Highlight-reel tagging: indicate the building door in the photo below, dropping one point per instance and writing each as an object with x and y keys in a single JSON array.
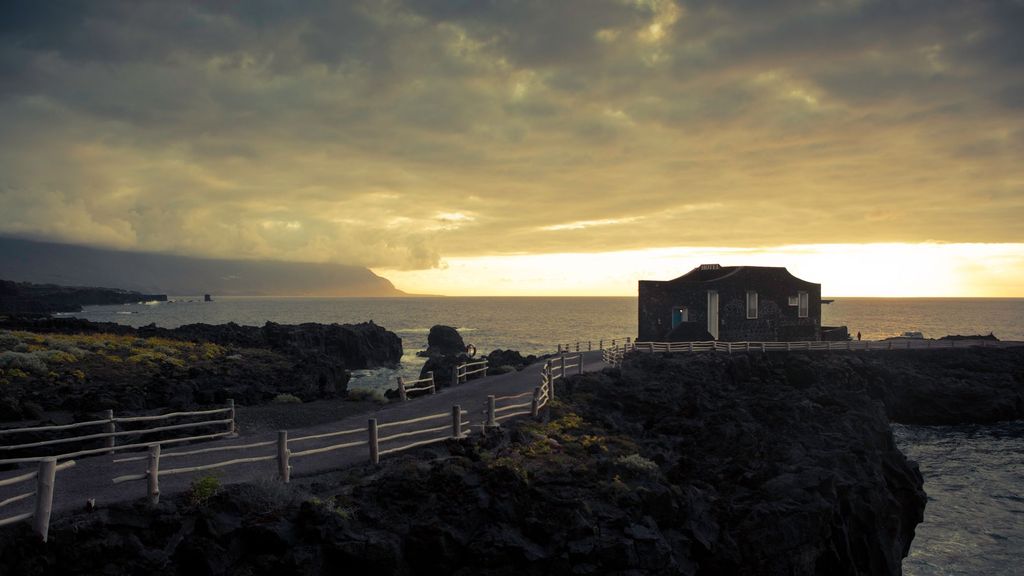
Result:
[
  {"x": 680, "y": 314},
  {"x": 713, "y": 314}
]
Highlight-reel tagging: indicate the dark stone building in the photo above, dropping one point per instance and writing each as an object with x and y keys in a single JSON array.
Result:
[{"x": 732, "y": 304}]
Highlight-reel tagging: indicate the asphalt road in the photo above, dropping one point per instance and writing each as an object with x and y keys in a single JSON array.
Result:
[{"x": 92, "y": 477}]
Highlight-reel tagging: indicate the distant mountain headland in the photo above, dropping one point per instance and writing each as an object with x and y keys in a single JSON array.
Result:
[{"x": 69, "y": 265}]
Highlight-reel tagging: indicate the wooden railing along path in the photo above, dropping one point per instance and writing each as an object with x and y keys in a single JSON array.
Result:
[
  {"x": 45, "y": 478},
  {"x": 376, "y": 439},
  {"x": 852, "y": 345},
  {"x": 110, "y": 434},
  {"x": 615, "y": 354},
  {"x": 460, "y": 374}
]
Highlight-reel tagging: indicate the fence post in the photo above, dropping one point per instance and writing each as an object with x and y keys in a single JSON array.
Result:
[
  {"x": 456, "y": 422},
  {"x": 600, "y": 344},
  {"x": 577, "y": 345},
  {"x": 153, "y": 475},
  {"x": 629, "y": 340},
  {"x": 490, "y": 412},
  {"x": 455, "y": 376},
  {"x": 561, "y": 360},
  {"x": 433, "y": 385},
  {"x": 110, "y": 427},
  {"x": 284, "y": 469},
  {"x": 371, "y": 427},
  {"x": 579, "y": 364},
  {"x": 551, "y": 383},
  {"x": 535, "y": 403},
  {"x": 401, "y": 389},
  {"x": 231, "y": 404},
  {"x": 44, "y": 496}
]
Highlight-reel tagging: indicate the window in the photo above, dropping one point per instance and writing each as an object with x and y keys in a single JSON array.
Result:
[
  {"x": 804, "y": 304},
  {"x": 794, "y": 300},
  {"x": 751, "y": 305}
]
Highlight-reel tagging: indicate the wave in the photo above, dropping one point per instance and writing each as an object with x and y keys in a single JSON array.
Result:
[{"x": 427, "y": 330}]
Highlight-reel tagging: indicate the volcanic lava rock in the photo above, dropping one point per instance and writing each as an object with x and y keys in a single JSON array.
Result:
[
  {"x": 444, "y": 341},
  {"x": 697, "y": 464}
]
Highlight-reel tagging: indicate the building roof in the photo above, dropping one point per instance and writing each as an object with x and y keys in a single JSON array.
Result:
[{"x": 714, "y": 272}]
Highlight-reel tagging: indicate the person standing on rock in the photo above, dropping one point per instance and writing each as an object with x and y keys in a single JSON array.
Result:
[{"x": 858, "y": 335}]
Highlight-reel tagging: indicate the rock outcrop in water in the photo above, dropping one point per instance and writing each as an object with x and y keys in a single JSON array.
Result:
[
  {"x": 444, "y": 341},
  {"x": 445, "y": 350},
  {"x": 690, "y": 465}
]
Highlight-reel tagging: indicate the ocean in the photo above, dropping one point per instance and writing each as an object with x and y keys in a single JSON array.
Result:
[{"x": 974, "y": 475}]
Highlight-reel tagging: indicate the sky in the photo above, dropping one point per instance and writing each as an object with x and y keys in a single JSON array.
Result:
[{"x": 475, "y": 147}]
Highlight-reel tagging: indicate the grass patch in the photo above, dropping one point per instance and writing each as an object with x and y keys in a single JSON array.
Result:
[{"x": 287, "y": 399}]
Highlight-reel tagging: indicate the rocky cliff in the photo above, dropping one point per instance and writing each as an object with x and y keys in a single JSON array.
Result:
[
  {"x": 958, "y": 386},
  {"x": 690, "y": 465}
]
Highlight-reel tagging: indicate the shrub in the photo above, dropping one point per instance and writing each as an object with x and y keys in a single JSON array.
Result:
[
  {"x": 56, "y": 356},
  {"x": 209, "y": 351},
  {"x": 201, "y": 490},
  {"x": 332, "y": 506},
  {"x": 637, "y": 464},
  {"x": 65, "y": 346},
  {"x": 8, "y": 341},
  {"x": 26, "y": 361},
  {"x": 287, "y": 399}
]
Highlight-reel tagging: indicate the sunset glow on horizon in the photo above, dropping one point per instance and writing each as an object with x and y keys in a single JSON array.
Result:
[{"x": 852, "y": 270}]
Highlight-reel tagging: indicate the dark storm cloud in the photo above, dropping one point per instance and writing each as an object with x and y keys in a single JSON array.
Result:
[{"x": 393, "y": 133}]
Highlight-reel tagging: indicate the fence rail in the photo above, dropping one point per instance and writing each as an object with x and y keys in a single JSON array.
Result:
[
  {"x": 110, "y": 433},
  {"x": 851, "y": 345},
  {"x": 423, "y": 384},
  {"x": 456, "y": 428},
  {"x": 45, "y": 477},
  {"x": 590, "y": 345}
]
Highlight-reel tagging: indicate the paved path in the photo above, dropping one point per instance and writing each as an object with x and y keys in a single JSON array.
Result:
[{"x": 92, "y": 476}]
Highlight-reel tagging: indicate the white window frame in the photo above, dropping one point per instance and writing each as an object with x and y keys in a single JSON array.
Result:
[
  {"x": 751, "y": 299},
  {"x": 804, "y": 309},
  {"x": 794, "y": 300}
]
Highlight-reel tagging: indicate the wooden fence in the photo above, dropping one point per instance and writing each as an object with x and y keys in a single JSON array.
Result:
[
  {"x": 110, "y": 433},
  {"x": 423, "y": 384},
  {"x": 45, "y": 477},
  {"x": 614, "y": 356},
  {"x": 539, "y": 397},
  {"x": 281, "y": 450},
  {"x": 460, "y": 374},
  {"x": 854, "y": 345},
  {"x": 588, "y": 345}
]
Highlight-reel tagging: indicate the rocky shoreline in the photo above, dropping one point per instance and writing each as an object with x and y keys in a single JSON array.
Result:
[
  {"x": 702, "y": 464},
  {"x": 69, "y": 364},
  {"x": 25, "y": 298}
]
